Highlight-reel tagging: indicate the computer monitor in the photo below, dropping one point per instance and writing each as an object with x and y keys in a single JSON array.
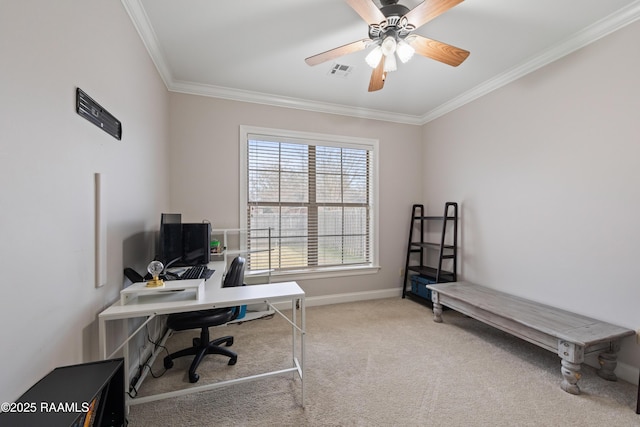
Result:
[
  {"x": 170, "y": 218},
  {"x": 187, "y": 244},
  {"x": 196, "y": 244},
  {"x": 170, "y": 238}
]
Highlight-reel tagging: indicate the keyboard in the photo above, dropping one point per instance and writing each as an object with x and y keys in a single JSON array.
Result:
[{"x": 197, "y": 272}]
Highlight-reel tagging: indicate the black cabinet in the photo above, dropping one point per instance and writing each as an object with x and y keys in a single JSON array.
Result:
[{"x": 90, "y": 394}]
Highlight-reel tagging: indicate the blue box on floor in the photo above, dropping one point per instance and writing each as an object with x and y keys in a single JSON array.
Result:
[
  {"x": 243, "y": 312},
  {"x": 419, "y": 286}
]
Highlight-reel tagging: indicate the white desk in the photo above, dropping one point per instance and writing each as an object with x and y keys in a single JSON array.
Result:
[{"x": 214, "y": 297}]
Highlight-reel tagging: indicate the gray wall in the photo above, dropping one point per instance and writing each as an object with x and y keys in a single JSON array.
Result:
[
  {"x": 48, "y": 158},
  {"x": 547, "y": 170},
  {"x": 207, "y": 185}
]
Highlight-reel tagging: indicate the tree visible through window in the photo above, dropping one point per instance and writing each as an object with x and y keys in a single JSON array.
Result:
[{"x": 312, "y": 197}]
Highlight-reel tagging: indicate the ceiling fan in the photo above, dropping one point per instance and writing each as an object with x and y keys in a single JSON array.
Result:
[{"x": 390, "y": 31}]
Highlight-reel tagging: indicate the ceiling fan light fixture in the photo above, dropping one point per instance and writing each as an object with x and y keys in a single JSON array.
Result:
[
  {"x": 390, "y": 33},
  {"x": 390, "y": 63},
  {"x": 389, "y": 45},
  {"x": 405, "y": 51},
  {"x": 373, "y": 58}
]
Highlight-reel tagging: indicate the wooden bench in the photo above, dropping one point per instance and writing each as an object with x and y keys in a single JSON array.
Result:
[{"x": 570, "y": 335}]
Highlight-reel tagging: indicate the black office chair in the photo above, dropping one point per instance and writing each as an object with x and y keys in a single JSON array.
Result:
[{"x": 203, "y": 319}]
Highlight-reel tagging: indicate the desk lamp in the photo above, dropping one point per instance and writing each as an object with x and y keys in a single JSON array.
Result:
[{"x": 155, "y": 268}]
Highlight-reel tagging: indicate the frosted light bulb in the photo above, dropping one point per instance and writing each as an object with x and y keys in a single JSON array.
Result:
[
  {"x": 390, "y": 63},
  {"x": 373, "y": 58},
  {"x": 405, "y": 51},
  {"x": 388, "y": 46}
]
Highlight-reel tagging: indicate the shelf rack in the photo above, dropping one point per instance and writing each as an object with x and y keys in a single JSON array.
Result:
[{"x": 420, "y": 267}]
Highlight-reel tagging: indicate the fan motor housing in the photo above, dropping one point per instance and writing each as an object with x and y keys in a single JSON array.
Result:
[
  {"x": 394, "y": 10},
  {"x": 394, "y": 24}
]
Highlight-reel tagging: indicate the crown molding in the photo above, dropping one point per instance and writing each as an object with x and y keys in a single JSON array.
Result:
[
  {"x": 596, "y": 31},
  {"x": 605, "y": 26},
  {"x": 141, "y": 23},
  {"x": 288, "y": 102}
]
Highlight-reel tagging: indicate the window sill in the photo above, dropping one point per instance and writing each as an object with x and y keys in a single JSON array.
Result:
[{"x": 323, "y": 273}]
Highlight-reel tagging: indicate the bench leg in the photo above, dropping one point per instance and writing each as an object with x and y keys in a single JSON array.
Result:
[
  {"x": 571, "y": 374},
  {"x": 437, "y": 307},
  {"x": 608, "y": 362},
  {"x": 572, "y": 357}
]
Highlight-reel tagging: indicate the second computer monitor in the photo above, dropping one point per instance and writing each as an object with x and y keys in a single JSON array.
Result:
[
  {"x": 196, "y": 244},
  {"x": 184, "y": 244}
]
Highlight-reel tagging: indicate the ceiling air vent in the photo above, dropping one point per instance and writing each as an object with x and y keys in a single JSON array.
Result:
[{"x": 340, "y": 70}]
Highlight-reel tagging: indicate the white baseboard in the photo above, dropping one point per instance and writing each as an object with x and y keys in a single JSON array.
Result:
[
  {"x": 627, "y": 373},
  {"x": 342, "y": 298},
  {"x": 624, "y": 371}
]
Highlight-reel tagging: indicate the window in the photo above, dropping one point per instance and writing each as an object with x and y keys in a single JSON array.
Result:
[{"x": 311, "y": 197}]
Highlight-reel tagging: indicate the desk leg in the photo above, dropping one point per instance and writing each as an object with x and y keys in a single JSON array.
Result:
[
  {"x": 125, "y": 355},
  {"x": 294, "y": 333},
  {"x": 302, "y": 346},
  {"x": 102, "y": 338},
  {"x": 298, "y": 303},
  {"x": 638, "y": 402}
]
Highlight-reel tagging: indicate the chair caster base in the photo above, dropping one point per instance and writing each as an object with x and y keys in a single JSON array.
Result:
[{"x": 168, "y": 363}]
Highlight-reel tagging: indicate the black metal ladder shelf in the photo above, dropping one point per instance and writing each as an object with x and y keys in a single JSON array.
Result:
[{"x": 420, "y": 267}]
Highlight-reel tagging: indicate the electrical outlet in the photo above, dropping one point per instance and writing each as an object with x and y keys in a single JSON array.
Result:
[
  {"x": 638, "y": 336},
  {"x": 401, "y": 272}
]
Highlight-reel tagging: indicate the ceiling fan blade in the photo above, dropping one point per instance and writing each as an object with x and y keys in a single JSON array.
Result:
[
  {"x": 337, "y": 52},
  {"x": 378, "y": 77},
  {"x": 439, "y": 51},
  {"x": 428, "y": 10},
  {"x": 367, "y": 10}
]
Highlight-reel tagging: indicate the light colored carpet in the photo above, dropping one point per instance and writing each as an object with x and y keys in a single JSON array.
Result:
[{"x": 384, "y": 363}]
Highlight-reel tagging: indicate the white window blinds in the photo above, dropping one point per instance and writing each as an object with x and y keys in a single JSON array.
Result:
[{"x": 313, "y": 197}]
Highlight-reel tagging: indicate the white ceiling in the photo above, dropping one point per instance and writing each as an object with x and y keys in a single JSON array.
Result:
[{"x": 254, "y": 50}]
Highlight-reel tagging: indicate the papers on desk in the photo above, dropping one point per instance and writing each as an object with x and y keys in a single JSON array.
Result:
[{"x": 194, "y": 287}]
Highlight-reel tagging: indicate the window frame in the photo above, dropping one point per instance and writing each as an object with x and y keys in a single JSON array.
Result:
[{"x": 330, "y": 140}]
